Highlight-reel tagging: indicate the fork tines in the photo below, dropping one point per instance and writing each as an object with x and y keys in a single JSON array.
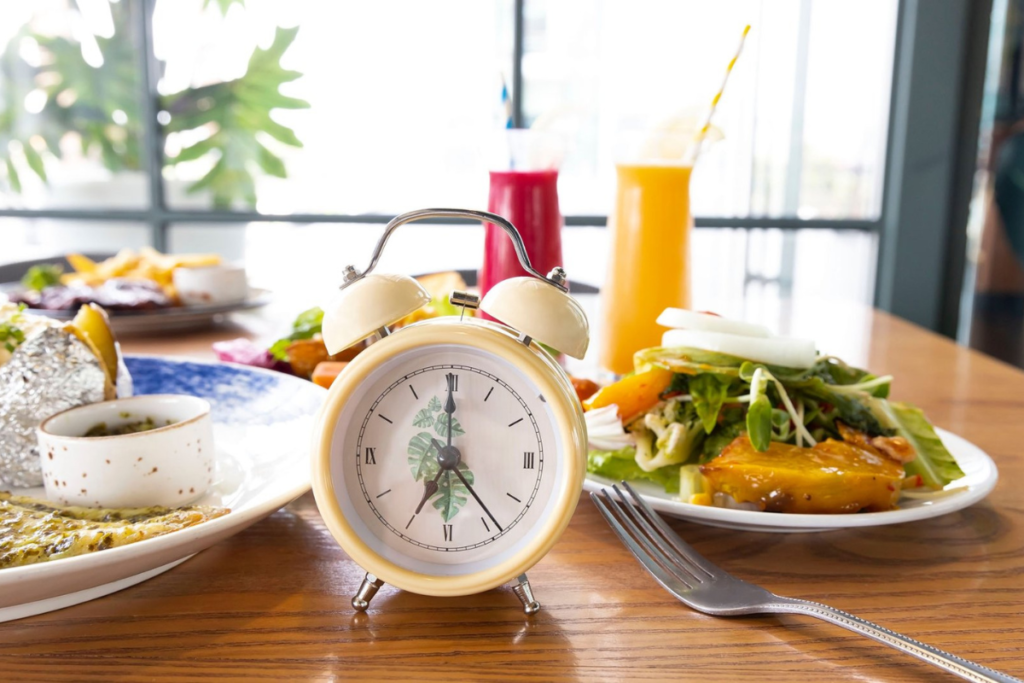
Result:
[{"x": 668, "y": 557}]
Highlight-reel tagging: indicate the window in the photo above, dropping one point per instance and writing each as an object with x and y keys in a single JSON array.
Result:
[
  {"x": 400, "y": 94},
  {"x": 404, "y": 100},
  {"x": 804, "y": 115}
]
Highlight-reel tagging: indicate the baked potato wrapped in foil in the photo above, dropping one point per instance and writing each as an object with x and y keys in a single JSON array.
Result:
[{"x": 47, "y": 366}]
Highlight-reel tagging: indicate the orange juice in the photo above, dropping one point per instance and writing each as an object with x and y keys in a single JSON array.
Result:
[{"x": 649, "y": 264}]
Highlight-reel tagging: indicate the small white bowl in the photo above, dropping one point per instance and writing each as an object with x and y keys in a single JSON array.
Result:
[
  {"x": 171, "y": 465},
  {"x": 211, "y": 285}
]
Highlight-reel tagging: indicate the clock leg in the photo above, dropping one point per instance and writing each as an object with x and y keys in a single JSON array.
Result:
[
  {"x": 525, "y": 594},
  {"x": 369, "y": 587}
]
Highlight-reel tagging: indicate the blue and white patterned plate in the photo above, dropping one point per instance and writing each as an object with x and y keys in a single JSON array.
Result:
[{"x": 262, "y": 422}]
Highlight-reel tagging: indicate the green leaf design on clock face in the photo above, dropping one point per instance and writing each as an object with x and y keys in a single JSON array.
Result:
[
  {"x": 427, "y": 416},
  {"x": 424, "y": 418},
  {"x": 441, "y": 426},
  {"x": 451, "y": 493},
  {"x": 422, "y": 459}
]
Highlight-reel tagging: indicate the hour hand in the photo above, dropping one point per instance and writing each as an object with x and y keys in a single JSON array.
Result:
[
  {"x": 429, "y": 489},
  {"x": 449, "y": 404}
]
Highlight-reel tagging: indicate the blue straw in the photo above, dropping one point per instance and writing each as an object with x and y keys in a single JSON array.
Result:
[{"x": 506, "y": 100}]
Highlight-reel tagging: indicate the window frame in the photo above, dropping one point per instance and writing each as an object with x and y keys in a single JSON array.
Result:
[{"x": 919, "y": 59}]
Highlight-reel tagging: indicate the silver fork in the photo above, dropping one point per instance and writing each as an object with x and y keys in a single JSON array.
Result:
[{"x": 705, "y": 587}]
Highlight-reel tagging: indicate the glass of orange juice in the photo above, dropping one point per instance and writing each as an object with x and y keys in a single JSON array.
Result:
[{"x": 649, "y": 264}]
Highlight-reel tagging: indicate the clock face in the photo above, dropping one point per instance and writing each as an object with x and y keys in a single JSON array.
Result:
[{"x": 448, "y": 457}]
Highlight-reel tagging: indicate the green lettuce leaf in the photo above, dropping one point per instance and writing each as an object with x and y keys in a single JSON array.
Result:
[
  {"x": 306, "y": 325},
  {"x": 709, "y": 392},
  {"x": 934, "y": 463},
  {"x": 42, "y": 276},
  {"x": 621, "y": 465},
  {"x": 854, "y": 409},
  {"x": 687, "y": 360},
  {"x": 759, "y": 423},
  {"x": 723, "y": 435},
  {"x": 442, "y": 306}
]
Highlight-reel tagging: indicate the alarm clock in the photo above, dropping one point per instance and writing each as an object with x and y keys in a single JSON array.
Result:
[{"x": 450, "y": 454}]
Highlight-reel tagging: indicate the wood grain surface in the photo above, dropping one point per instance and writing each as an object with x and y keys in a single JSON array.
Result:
[{"x": 272, "y": 603}]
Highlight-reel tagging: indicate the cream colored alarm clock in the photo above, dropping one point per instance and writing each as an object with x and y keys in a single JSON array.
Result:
[{"x": 449, "y": 456}]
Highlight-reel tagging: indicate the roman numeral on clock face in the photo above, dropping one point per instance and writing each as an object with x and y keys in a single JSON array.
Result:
[
  {"x": 371, "y": 456},
  {"x": 448, "y": 533},
  {"x": 453, "y": 381},
  {"x": 528, "y": 460}
]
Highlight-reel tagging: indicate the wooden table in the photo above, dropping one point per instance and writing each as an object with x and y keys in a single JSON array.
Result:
[{"x": 272, "y": 603}]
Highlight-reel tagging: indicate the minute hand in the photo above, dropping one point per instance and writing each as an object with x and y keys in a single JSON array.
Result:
[{"x": 473, "y": 493}]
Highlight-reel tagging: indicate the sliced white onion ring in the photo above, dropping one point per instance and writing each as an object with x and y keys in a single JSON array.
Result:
[
  {"x": 788, "y": 352},
  {"x": 682, "y": 319},
  {"x": 604, "y": 429}
]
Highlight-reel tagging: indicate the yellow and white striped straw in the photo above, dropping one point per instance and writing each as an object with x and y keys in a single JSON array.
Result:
[{"x": 699, "y": 137}]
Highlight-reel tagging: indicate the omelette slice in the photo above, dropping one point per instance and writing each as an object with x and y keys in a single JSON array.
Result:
[
  {"x": 33, "y": 530},
  {"x": 833, "y": 477}
]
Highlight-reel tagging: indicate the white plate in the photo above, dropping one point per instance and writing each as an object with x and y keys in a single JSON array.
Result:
[
  {"x": 262, "y": 422},
  {"x": 979, "y": 479}
]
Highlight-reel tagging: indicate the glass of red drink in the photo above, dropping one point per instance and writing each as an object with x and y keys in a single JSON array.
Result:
[{"x": 525, "y": 191}]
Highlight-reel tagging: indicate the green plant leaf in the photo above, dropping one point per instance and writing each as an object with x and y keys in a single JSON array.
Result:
[
  {"x": 238, "y": 112},
  {"x": 195, "y": 151},
  {"x": 422, "y": 460},
  {"x": 224, "y": 5},
  {"x": 90, "y": 101},
  {"x": 35, "y": 162},
  {"x": 12, "y": 176},
  {"x": 434, "y": 404},
  {"x": 257, "y": 121},
  {"x": 452, "y": 493},
  {"x": 100, "y": 93},
  {"x": 270, "y": 98},
  {"x": 271, "y": 163}
]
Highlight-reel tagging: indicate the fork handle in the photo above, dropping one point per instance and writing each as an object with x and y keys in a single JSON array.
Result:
[{"x": 944, "y": 660}]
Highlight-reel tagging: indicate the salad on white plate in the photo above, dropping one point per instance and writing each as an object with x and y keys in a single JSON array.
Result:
[{"x": 726, "y": 414}]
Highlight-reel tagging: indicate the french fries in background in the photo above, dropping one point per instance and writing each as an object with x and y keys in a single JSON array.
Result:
[{"x": 145, "y": 264}]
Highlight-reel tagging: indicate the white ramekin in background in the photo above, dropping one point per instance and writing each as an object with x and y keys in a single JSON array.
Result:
[{"x": 211, "y": 285}]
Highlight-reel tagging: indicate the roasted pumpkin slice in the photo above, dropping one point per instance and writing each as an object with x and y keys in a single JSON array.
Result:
[
  {"x": 832, "y": 477},
  {"x": 634, "y": 394}
]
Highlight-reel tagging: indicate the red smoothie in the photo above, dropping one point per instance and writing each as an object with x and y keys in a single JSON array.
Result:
[{"x": 529, "y": 199}]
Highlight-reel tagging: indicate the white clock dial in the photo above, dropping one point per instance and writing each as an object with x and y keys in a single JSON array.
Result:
[{"x": 425, "y": 498}]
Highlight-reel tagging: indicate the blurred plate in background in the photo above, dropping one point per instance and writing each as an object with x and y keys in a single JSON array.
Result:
[{"x": 176, "y": 318}]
